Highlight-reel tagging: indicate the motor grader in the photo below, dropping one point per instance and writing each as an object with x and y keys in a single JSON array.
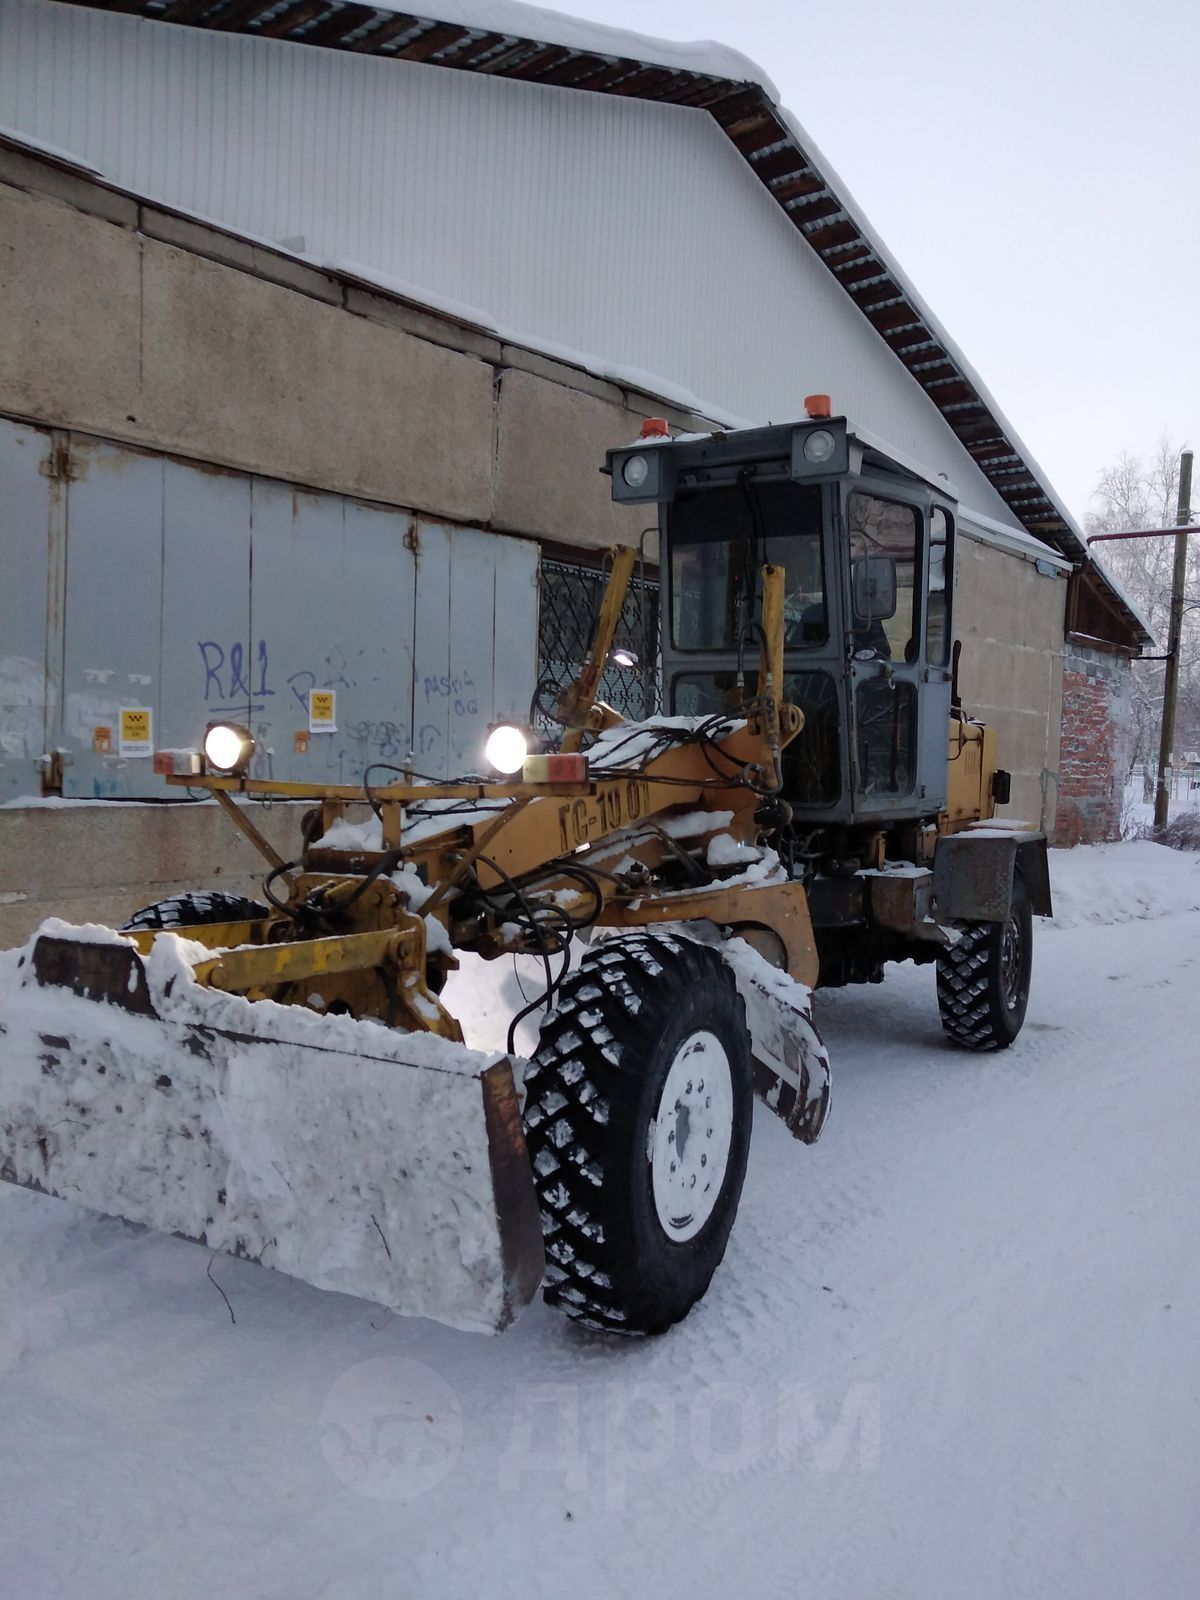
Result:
[{"x": 281, "y": 1080}]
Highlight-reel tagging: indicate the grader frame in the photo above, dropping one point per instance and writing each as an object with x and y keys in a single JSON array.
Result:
[{"x": 660, "y": 829}]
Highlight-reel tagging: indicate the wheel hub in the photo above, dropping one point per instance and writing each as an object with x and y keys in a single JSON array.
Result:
[
  {"x": 1010, "y": 963},
  {"x": 690, "y": 1137}
]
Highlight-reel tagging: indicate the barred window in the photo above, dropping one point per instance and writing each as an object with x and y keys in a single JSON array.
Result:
[{"x": 570, "y": 603}]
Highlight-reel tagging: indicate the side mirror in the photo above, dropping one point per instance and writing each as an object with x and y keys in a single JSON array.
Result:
[{"x": 873, "y": 582}]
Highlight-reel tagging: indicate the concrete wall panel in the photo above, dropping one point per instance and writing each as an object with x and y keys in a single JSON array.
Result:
[
  {"x": 64, "y": 352},
  {"x": 102, "y": 862},
  {"x": 550, "y": 446},
  {"x": 323, "y": 397},
  {"x": 1009, "y": 617}
]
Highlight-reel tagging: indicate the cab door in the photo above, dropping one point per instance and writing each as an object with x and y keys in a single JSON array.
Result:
[
  {"x": 885, "y": 547},
  {"x": 936, "y": 687}
]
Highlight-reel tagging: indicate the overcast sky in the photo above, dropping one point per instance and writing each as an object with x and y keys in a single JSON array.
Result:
[{"x": 1034, "y": 166}]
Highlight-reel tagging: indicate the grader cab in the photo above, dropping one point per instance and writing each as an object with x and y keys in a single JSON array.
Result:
[
  {"x": 873, "y": 801},
  {"x": 281, "y": 1079}
]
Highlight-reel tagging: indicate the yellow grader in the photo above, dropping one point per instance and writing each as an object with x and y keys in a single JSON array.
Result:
[{"x": 281, "y": 1079}]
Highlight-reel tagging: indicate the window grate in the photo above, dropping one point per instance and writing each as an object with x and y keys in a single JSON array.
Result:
[{"x": 570, "y": 603}]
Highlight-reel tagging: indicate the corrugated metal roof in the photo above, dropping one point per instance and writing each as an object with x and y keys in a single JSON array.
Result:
[{"x": 567, "y": 53}]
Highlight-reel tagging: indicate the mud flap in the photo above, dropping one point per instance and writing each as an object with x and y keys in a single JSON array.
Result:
[
  {"x": 791, "y": 1064},
  {"x": 381, "y": 1164}
]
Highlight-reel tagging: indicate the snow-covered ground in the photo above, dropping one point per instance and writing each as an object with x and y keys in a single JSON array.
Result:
[
  {"x": 953, "y": 1350},
  {"x": 1137, "y": 813}
]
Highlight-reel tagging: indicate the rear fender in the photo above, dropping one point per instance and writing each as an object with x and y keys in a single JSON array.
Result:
[{"x": 973, "y": 874}]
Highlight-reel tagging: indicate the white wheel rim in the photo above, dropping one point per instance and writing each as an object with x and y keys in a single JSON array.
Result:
[{"x": 690, "y": 1137}]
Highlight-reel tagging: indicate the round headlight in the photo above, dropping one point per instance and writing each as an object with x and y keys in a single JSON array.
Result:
[
  {"x": 635, "y": 471},
  {"x": 506, "y": 749},
  {"x": 228, "y": 747},
  {"x": 819, "y": 446}
]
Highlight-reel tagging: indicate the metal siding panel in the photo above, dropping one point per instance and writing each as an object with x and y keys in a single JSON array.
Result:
[
  {"x": 296, "y": 610},
  {"x": 26, "y": 492},
  {"x": 331, "y": 608},
  {"x": 514, "y": 658},
  {"x": 381, "y": 586},
  {"x": 431, "y": 652},
  {"x": 476, "y": 605},
  {"x": 278, "y": 625},
  {"x": 210, "y": 666},
  {"x": 472, "y": 643},
  {"x": 113, "y": 613}
]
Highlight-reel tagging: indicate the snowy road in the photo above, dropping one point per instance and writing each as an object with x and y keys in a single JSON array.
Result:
[{"x": 954, "y": 1351}]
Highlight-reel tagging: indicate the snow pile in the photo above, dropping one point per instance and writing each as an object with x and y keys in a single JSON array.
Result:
[
  {"x": 726, "y": 851},
  {"x": 343, "y": 834},
  {"x": 631, "y": 743},
  {"x": 1105, "y": 884},
  {"x": 433, "y": 817},
  {"x": 693, "y": 824}
]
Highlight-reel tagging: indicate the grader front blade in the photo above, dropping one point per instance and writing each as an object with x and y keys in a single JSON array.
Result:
[{"x": 384, "y": 1164}]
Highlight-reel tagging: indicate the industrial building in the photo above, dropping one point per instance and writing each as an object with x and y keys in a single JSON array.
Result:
[{"x": 319, "y": 319}]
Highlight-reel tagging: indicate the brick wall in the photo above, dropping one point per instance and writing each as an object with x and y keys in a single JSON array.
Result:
[{"x": 1095, "y": 744}]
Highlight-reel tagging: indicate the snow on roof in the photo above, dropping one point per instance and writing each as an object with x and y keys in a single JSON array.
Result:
[
  {"x": 598, "y": 38},
  {"x": 625, "y": 377},
  {"x": 56, "y": 152},
  {"x": 988, "y": 530}
]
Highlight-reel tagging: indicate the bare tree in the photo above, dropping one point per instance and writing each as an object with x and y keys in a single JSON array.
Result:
[{"x": 1141, "y": 492}]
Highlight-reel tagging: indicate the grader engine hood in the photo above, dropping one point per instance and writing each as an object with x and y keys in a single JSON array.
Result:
[{"x": 383, "y": 1164}]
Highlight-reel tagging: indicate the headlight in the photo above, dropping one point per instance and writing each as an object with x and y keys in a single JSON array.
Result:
[
  {"x": 635, "y": 471},
  {"x": 506, "y": 748},
  {"x": 819, "y": 446},
  {"x": 228, "y": 747}
]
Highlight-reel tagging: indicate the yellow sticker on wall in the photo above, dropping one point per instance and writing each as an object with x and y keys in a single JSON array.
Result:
[
  {"x": 322, "y": 711},
  {"x": 136, "y": 736}
]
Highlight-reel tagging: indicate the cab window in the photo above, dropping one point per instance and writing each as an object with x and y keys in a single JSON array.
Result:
[
  {"x": 719, "y": 540},
  {"x": 941, "y": 555},
  {"x": 884, "y": 560}
]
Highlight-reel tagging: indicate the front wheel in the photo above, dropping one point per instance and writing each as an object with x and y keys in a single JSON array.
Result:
[
  {"x": 194, "y": 909},
  {"x": 983, "y": 980},
  {"x": 637, "y": 1121}
]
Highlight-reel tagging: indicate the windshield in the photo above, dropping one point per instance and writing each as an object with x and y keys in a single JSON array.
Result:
[{"x": 717, "y": 546}]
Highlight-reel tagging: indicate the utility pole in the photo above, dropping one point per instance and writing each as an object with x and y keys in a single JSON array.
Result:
[{"x": 1171, "y": 685}]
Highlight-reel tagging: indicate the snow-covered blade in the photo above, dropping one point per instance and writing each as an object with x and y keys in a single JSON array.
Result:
[
  {"x": 791, "y": 1063},
  {"x": 383, "y": 1164}
]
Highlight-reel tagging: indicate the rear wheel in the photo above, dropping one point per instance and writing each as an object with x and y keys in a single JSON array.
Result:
[
  {"x": 637, "y": 1120},
  {"x": 193, "y": 910},
  {"x": 983, "y": 980}
]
